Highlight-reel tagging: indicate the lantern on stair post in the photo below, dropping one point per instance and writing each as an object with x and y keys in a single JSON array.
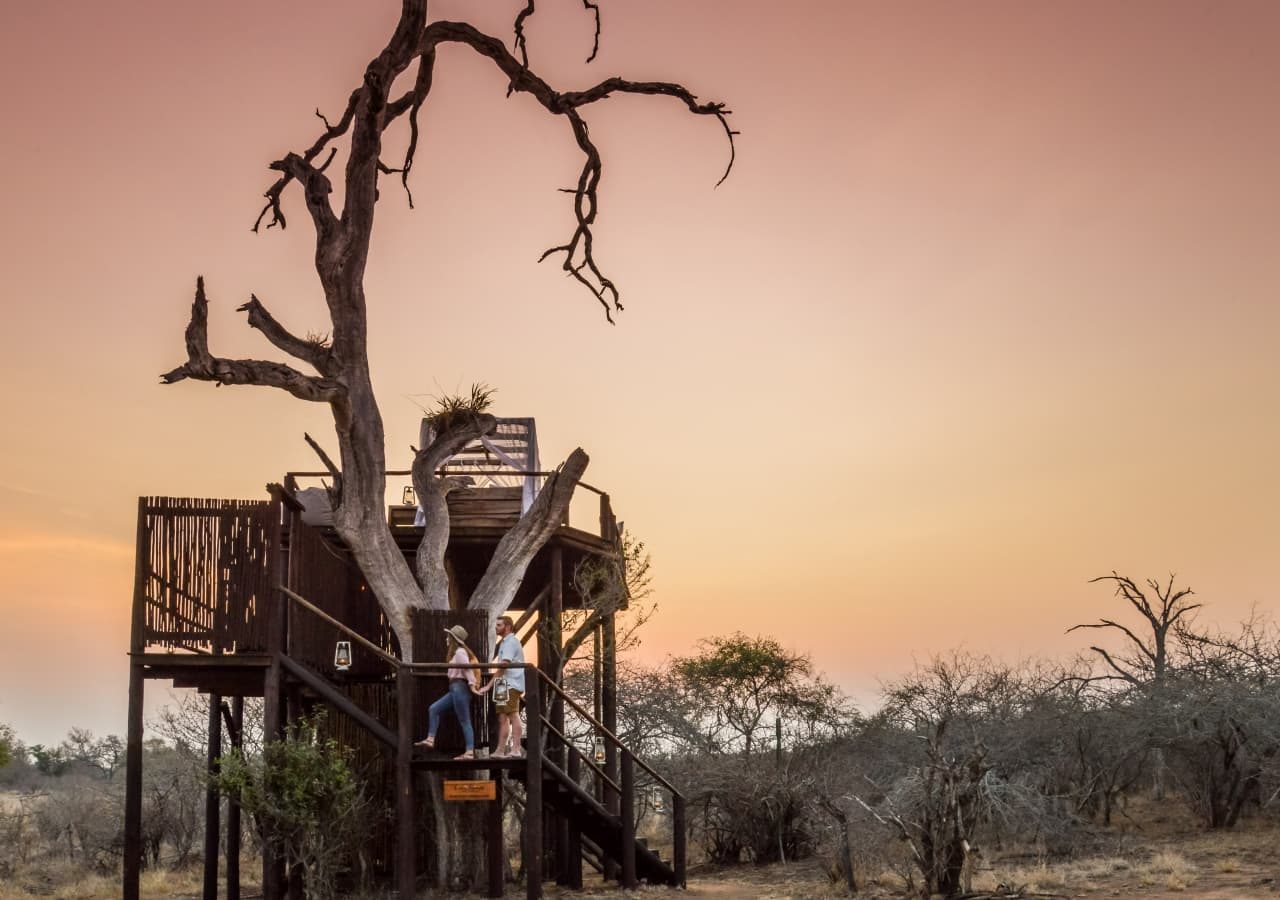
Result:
[
  {"x": 598, "y": 749},
  {"x": 342, "y": 656},
  {"x": 658, "y": 799}
]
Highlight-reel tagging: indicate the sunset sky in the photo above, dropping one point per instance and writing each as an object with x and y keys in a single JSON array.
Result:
[{"x": 988, "y": 306}]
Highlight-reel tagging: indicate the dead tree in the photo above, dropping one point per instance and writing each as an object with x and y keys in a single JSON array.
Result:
[
  {"x": 340, "y": 361},
  {"x": 1144, "y": 663}
]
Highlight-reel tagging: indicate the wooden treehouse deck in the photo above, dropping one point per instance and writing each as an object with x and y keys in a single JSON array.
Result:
[{"x": 246, "y": 599}]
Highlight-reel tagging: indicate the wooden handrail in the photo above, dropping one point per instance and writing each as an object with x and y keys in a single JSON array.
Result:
[
  {"x": 497, "y": 471},
  {"x": 606, "y": 732},
  {"x": 570, "y": 748},
  {"x": 345, "y": 629}
]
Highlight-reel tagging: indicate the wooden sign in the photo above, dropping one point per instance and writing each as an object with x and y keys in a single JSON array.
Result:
[{"x": 470, "y": 790}]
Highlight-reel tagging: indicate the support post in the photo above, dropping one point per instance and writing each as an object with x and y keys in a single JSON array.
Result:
[
  {"x": 497, "y": 853},
  {"x": 273, "y": 682},
  {"x": 233, "y": 806},
  {"x": 133, "y": 735},
  {"x": 573, "y": 838},
  {"x": 549, "y": 661},
  {"x": 406, "y": 877},
  {"x": 628, "y": 820},
  {"x": 609, "y": 717},
  {"x": 212, "y": 801},
  {"x": 133, "y": 786},
  {"x": 679, "y": 837},
  {"x": 533, "y": 787}
]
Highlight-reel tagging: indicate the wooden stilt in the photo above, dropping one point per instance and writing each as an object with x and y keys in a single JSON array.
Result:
[
  {"x": 212, "y": 800},
  {"x": 533, "y": 789},
  {"x": 133, "y": 736},
  {"x": 573, "y": 838},
  {"x": 497, "y": 851},
  {"x": 406, "y": 833},
  {"x": 679, "y": 830},
  {"x": 609, "y": 717},
  {"x": 133, "y": 786},
  {"x": 628, "y": 785},
  {"x": 233, "y": 806},
  {"x": 273, "y": 684}
]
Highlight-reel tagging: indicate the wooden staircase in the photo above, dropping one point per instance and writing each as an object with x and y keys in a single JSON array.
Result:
[{"x": 601, "y": 833}]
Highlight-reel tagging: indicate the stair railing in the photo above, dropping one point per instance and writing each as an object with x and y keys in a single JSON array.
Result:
[{"x": 626, "y": 790}]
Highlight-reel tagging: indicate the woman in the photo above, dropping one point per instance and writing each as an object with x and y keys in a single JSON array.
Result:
[{"x": 462, "y": 684}]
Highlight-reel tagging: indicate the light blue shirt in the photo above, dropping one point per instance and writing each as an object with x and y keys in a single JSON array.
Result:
[{"x": 510, "y": 650}]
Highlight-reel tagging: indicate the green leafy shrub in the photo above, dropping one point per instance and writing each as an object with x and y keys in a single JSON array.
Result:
[{"x": 309, "y": 805}]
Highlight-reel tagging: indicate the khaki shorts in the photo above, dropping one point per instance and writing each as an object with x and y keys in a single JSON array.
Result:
[{"x": 512, "y": 706}]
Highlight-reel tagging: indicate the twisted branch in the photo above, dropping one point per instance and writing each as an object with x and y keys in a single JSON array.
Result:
[
  {"x": 315, "y": 352},
  {"x": 201, "y": 365},
  {"x": 578, "y": 250}
]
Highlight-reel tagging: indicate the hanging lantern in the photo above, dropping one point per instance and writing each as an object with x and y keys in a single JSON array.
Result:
[
  {"x": 599, "y": 749},
  {"x": 658, "y": 800},
  {"x": 501, "y": 692},
  {"x": 342, "y": 656}
]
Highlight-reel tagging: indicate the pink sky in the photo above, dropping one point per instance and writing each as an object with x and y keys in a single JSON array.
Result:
[{"x": 987, "y": 307}]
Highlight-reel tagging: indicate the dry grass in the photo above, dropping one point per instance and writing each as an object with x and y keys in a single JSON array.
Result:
[{"x": 66, "y": 881}]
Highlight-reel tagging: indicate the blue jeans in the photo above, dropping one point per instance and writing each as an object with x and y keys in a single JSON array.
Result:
[{"x": 459, "y": 700}]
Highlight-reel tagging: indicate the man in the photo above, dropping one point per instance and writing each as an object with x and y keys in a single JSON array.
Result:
[{"x": 509, "y": 650}]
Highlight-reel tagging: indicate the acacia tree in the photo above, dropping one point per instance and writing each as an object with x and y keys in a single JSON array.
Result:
[
  {"x": 1143, "y": 665},
  {"x": 341, "y": 363}
]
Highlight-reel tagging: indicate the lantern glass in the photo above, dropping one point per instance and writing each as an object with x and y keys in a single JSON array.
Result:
[
  {"x": 659, "y": 800},
  {"x": 598, "y": 749},
  {"x": 501, "y": 691},
  {"x": 342, "y": 656},
  {"x": 409, "y": 498}
]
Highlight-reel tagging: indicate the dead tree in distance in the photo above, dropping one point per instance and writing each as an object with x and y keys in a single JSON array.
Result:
[{"x": 341, "y": 363}]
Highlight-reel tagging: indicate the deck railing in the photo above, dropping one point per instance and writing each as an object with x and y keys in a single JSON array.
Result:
[{"x": 204, "y": 574}]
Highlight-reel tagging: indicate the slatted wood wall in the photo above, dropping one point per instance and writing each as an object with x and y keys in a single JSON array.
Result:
[{"x": 205, "y": 573}]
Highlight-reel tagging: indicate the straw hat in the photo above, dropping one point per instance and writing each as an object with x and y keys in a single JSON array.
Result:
[{"x": 458, "y": 633}]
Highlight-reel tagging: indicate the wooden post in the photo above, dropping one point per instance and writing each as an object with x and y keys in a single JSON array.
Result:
[
  {"x": 406, "y": 844},
  {"x": 609, "y": 717},
  {"x": 533, "y": 787},
  {"x": 496, "y": 849},
  {"x": 212, "y": 800},
  {"x": 549, "y": 658},
  {"x": 273, "y": 682},
  {"x": 573, "y": 838},
  {"x": 133, "y": 738},
  {"x": 628, "y": 814},
  {"x": 133, "y": 786},
  {"x": 679, "y": 835},
  {"x": 233, "y": 806}
]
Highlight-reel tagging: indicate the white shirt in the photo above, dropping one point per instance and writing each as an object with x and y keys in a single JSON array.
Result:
[{"x": 510, "y": 650}]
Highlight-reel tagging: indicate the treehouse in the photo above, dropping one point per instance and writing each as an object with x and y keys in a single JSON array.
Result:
[{"x": 262, "y": 598}]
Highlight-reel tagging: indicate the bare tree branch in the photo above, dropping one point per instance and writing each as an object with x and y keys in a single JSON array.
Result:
[
  {"x": 203, "y": 366},
  {"x": 578, "y": 250},
  {"x": 331, "y": 131},
  {"x": 313, "y": 351}
]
